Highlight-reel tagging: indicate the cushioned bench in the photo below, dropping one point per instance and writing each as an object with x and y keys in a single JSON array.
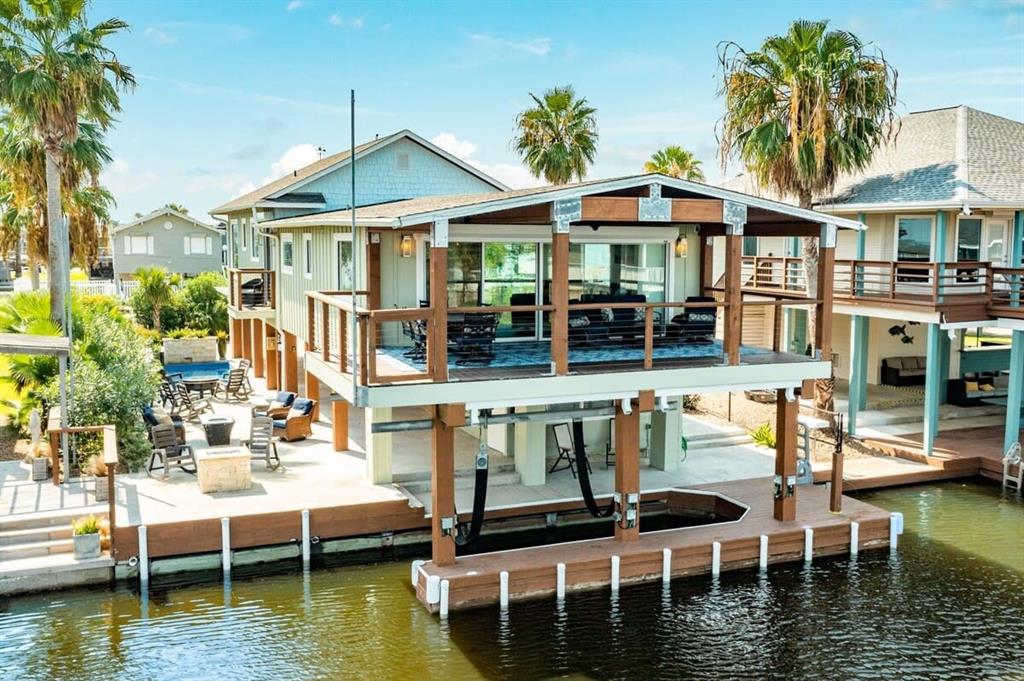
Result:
[{"x": 904, "y": 370}]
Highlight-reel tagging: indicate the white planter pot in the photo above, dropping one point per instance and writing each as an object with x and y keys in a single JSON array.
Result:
[
  {"x": 87, "y": 546},
  {"x": 40, "y": 468},
  {"x": 100, "y": 488}
]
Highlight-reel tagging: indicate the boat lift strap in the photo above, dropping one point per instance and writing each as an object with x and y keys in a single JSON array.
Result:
[
  {"x": 583, "y": 472},
  {"x": 463, "y": 538}
]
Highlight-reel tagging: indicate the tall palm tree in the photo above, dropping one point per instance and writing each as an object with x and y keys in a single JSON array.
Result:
[
  {"x": 557, "y": 137},
  {"x": 675, "y": 161},
  {"x": 802, "y": 109},
  {"x": 156, "y": 287},
  {"x": 55, "y": 70}
]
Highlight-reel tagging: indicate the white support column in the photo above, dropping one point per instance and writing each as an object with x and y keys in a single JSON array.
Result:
[
  {"x": 531, "y": 452},
  {"x": 378, "y": 446},
  {"x": 665, "y": 439}
]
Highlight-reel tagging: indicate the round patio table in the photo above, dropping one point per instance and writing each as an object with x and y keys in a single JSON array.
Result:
[{"x": 201, "y": 384}]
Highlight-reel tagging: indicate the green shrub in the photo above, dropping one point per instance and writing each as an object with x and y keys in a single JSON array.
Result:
[
  {"x": 764, "y": 435},
  {"x": 188, "y": 333},
  {"x": 691, "y": 403},
  {"x": 202, "y": 306},
  {"x": 170, "y": 314}
]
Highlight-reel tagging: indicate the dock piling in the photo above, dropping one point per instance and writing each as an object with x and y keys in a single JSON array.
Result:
[
  {"x": 560, "y": 582},
  {"x": 666, "y": 565},
  {"x": 895, "y": 529},
  {"x": 416, "y": 564},
  {"x": 445, "y": 589},
  {"x": 433, "y": 589},
  {"x": 225, "y": 545},
  {"x": 808, "y": 544},
  {"x": 762, "y": 554},
  {"x": 305, "y": 537},
  {"x": 716, "y": 558},
  {"x": 503, "y": 589},
  {"x": 615, "y": 574},
  {"x": 143, "y": 556},
  {"x": 854, "y": 538}
]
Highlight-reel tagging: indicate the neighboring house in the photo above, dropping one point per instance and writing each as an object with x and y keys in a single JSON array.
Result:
[
  {"x": 936, "y": 277},
  {"x": 472, "y": 301},
  {"x": 169, "y": 239}
]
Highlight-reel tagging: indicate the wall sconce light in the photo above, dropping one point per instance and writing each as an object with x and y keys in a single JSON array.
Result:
[
  {"x": 407, "y": 246},
  {"x": 681, "y": 246}
]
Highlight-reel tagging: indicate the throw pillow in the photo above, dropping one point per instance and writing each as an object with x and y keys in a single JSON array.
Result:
[
  {"x": 607, "y": 314},
  {"x": 972, "y": 386}
]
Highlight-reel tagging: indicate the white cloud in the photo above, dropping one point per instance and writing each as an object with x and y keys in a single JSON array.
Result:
[
  {"x": 121, "y": 178},
  {"x": 248, "y": 186},
  {"x": 296, "y": 157},
  {"x": 515, "y": 176},
  {"x": 159, "y": 36},
  {"x": 535, "y": 47},
  {"x": 338, "y": 20},
  {"x": 995, "y": 76},
  {"x": 294, "y": 5}
]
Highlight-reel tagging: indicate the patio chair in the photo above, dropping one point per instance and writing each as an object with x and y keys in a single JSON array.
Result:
[
  {"x": 252, "y": 292},
  {"x": 157, "y": 416},
  {"x": 416, "y": 331},
  {"x": 166, "y": 394},
  {"x": 298, "y": 423},
  {"x": 234, "y": 385},
  {"x": 243, "y": 366},
  {"x": 697, "y": 324},
  {"x": 171, "y": 452},
  {"x": 566, "y": 450},
  {"x": 188, "y": 408},
  {"x": 475, "y": 340},
  {"x": 260, "y": 443},
  {"x": 278, "y": 407}
]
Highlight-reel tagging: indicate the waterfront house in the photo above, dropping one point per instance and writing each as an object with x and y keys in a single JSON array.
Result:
[
  {"x": 480, "y": 306},
  {"x": 929, "y": 295},
  {"x": 166, "y": 238}
]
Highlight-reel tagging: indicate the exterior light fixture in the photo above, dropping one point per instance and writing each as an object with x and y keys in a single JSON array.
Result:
[
  {"x": 407, "y": 246},
  {"x": 681, "y": 246}
]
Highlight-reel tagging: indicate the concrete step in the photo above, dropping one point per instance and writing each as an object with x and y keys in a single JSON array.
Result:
[
  {"x": 35, "y": 549},
  {"x": 57, "y": 571},
  {"x": 717, "y": 443},
  {"x": 57, "y": 518},
  {"x": 30, "y": 535},
  {"x": 466, "y": 482}
]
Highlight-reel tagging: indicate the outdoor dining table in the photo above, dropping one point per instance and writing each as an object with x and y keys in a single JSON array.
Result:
[{"x": 201, "y": 384}]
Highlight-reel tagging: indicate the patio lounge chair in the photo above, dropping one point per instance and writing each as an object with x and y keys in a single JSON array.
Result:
[
  {"x": 564, "y": 444},
  {"x": 416, "y": 331},
  {"x": 298, "y": 423},
  {"x": 171, "y": 451},
  {"x": 234, "y": 385},
  {"x": 157, "y": 416},
  {"x": 474, "y": 342},
  {"x": 252, "y": 292},
  {"x": 697, "y": 324},
  {"x": 278, "y": 407},
  {"x": 188, "y": 408},
  {"x": 260, "y": 443}
]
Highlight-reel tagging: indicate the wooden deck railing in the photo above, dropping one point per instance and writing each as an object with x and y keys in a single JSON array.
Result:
[
  {"x": 330, "y": 332},
  {"x": 773, "y": 275},
  {"x": 912, "y": 283},
  {"x": 251, "y": 288},
  {"x": 1006, "y": 291}
]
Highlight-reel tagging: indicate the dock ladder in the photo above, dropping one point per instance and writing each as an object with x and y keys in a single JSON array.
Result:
[{"x": 1013, "y": 458}]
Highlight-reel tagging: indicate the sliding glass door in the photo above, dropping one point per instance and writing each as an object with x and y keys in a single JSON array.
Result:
[{"x": 495, "y": 275}]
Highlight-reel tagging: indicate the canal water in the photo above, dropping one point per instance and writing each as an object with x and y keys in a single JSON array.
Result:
[{"x": 949, "y": 603}]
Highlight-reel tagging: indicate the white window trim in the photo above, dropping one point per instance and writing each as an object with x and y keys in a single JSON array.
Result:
[
  {"x": 981, "y": 236},
  {"x": 339, "y": 237},
  {"x": 307, "y": 256},
  {"x": 896, "y": 234},
  {"x": 288, "y": 238},
  {"x": 245, "y": 233}
]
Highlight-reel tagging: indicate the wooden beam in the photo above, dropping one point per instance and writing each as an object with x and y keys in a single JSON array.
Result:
[
  {"x": 442, "y": 487},
  {"x": 290, "y": 363},
  {"x": 781, "y": 229},
  {"x": 560, "y": 301},
  {"x": 706, "y": 253},
  {"x": 373, "y": 271},
  {"x": 646, "y": 400},
  {"x": 339, "y": 424},
  {"x": 696, "y": 210},
  {"x": 272, "y": 370},
  {"x": 823, "y": 310},
  {"x": 453, "y": 415},
  {"x": 785, "y": 456},
  {"x": 627, "y": 467},
  {"x": 437, "y": 340},
  {"x": 247, "y": 339},
  {"x": 733, "y": 297},
  {"x": 312, "y": 386},
  {"x": 610, "y": 209},
  {"x": 257, "y": 348},
  {"x": 236, "y": 338}
]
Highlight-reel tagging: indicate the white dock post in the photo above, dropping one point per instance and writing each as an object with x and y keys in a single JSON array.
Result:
[
  {"x": 615, "y": 574},
  {"x": 716, "y": 558},
  {"x": 762, "y": 553},
  {"x": 808, "y": 544},
  {"x": 503, "y": 589},
  {"x": 854, "y": 538},
  {"x": 445, "y": 588},
  {"x": 225, "y": 544},
  {"x": 666, "y": 565},
  {"x": 433, "y": 589},
  {"x": 560, "y": 581},
  {"x": 895, "y": 529},
  {"x": 305, "y": 537},
  {"x": 143, "y": 556},
  {"x": 416, "y": 564}
]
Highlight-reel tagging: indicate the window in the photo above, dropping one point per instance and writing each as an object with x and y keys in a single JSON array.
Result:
[
  {"x": 995, "y": 242},
  {"x": 287, "y": 253},
  {"x": 254, "y": 239},
  {"x": 245, "y": 233},
  {"x": 343, "y": 261},
  {"x": 307, "y": 255},
  {"x": 968, "y": 240},
  {"x": 138, "y": 245},
  {"x": 198, "y": 244},
  {"x": 749, "y": 246},
  {"x": 914, "y": 239},
  {"x": 402, "y": 160}
]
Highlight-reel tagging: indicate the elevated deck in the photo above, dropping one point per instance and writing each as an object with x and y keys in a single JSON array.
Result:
[{"x": 475, "y": 581}]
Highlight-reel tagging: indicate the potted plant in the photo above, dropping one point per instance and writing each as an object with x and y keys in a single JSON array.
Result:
[
  {"x": 222, "y": 344},
  {"x": 40, "y": 460},
  {"x": 85, "y": 533},
  {"x": 98, "y": 469}
]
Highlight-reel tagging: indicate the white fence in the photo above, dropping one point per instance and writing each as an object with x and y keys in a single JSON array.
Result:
[{"x": 117, "y": 289}]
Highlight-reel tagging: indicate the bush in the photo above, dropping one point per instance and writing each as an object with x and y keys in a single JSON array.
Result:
[
  {"x": 691, "y": 403},
  {"x": 764, "y": 436},
  {"x": 170, "y": 314},
  {"x": 188, "y": 333},
  {"x": 202, "y": 306}
]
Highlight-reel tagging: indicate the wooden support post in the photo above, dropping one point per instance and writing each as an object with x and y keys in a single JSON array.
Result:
[
  {"x": 247, "y": 339},
  {"x": 785, "y": 457},
  {"x": 733, "y": 330},
  {"x": 272, "y": 368},
  {"x": 627, "y": 469},
  {"x": 437, "y": 341},
  {"x": 835, "y": 502},
  {"x": 236, "y": 338},
  {"x": 826, "y": 273},
  {"x": 560, "y": 302},
  {"x": 339, "y": 424},
  {"x": 706, "y": 255},
  {"x": 257, "y": 348},
  {"x": 373, "y": 271},
  {"x": 313, "y": 393},
  {"x": 290, "y": 363},
  {"x": 777, "y": 315},
  {"x": 442, "y": 486}
]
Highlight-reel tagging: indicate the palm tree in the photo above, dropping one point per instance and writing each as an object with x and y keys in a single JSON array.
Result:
[
  {"x": 55, "y": 70},
  {"x": 675, "y": 161},
  {"x": 156, "y": 287},
  {"x": 804, "y": 108},
  {"x": 557, "y": 137}
]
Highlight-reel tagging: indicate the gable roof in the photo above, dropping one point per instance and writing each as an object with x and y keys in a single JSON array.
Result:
[
  {"x": 288, "y": 184},
  {"x": 956, "y": 157},
  {"x": 166, "y": 210},
  {"x": 425, "y": 209}
]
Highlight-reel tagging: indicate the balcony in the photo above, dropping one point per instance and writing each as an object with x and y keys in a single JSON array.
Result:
[
  {"x": 1006, "y": 292},
  {"x": 251, "y": 292}
]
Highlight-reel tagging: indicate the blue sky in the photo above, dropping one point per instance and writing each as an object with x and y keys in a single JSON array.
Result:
[{"x": 232, "y": 94}]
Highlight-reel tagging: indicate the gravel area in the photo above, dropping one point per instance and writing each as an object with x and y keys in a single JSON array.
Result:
[{"x": 748, "y": 414}]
